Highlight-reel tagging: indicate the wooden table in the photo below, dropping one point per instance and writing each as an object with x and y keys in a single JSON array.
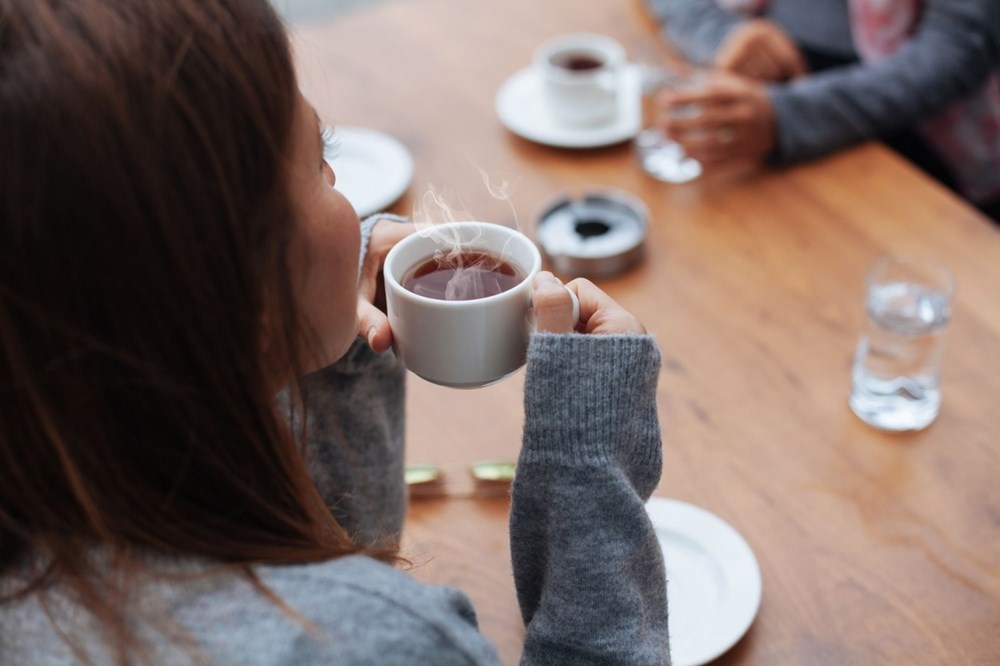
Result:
[{"x": 874, "y": 548}]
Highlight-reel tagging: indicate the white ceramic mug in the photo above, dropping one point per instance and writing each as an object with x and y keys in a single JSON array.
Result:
[
  {"x": 581, "y": 74},
  {"x": 468, "y": 343}
]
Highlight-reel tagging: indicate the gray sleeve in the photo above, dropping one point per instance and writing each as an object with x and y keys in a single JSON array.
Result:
[
  {"x": 695, "y": 27},
  {"x": 355, "y": 433},
  {"x": 367, "y": 225},
  {"x": 588, "y": 568},
  {"x": 952, "y": 54}
]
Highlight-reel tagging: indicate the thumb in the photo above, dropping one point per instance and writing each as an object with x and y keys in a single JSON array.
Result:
[
  {"x": 373, "y": 326},
  {"x": 552, "y": 304}
]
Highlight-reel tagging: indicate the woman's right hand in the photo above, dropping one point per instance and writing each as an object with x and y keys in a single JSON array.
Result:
[{"x": 599, "y": 313}]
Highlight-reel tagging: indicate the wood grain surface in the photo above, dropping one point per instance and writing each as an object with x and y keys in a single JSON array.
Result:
[{"x": 874, "y": 548}]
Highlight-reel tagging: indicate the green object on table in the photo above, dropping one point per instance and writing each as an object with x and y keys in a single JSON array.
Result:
[
  {"x": 418, "y": 474},
  {"x": 494, "y": 470}
]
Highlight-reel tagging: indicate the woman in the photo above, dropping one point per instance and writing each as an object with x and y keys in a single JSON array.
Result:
[
  {"x": 810, "y": 78},
  {"x": 174, "y": 254}
]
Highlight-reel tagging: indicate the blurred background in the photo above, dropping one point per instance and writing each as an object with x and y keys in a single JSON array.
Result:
[{"x": 304, "y": 11}]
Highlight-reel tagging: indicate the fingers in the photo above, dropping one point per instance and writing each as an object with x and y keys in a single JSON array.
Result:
[
  {"x": 714, "y": 135},
  {"x": 710, "y": 118},
  {"x": 706, "y": 149},
  {"x": 552, "y": 304},
  {"x": 761, "y": 50},
  {"x": 735, "y": 121},
  {"x": 791, "y": 58},
  {"x": 714, "y": 91},
  {"x": 758, "y": 61},
  {"x": 764, "y": 65},
  {"x": 601, "y": 314},
  {"x": 373, "y": 326},
  {"x": 385, "y": 234}
]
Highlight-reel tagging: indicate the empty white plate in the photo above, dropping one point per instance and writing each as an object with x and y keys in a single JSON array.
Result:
[
  {"x": 713, "y": 581},
  {"x": 373, "y": 169},
  {"x": 522, "y": 108}
]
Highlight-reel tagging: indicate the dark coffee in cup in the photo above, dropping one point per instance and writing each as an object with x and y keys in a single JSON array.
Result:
[
  {"x": 462, "y": 276},
  {"x": 578, "y": 61}
]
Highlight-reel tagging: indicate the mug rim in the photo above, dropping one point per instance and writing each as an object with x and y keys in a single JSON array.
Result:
[{"x": 393, "y": 254}]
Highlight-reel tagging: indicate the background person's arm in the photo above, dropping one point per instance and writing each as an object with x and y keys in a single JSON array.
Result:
[
  {"x": 695, "y": 27},
  {"x": 953, "y": 52}
]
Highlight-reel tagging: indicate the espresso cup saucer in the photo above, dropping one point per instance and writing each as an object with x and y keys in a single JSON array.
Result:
[
  {"x": 373, "y": 169},
  {"x": 522, "y": 108},
  {"x": 713, "y": 580}
]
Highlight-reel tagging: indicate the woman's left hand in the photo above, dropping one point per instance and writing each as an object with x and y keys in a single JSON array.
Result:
[
  {"x": 373, "y": 324},
  {"x": 733, "y": 119}
]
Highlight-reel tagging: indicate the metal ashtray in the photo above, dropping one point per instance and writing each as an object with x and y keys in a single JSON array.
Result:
[{"x": 599, "y": 234}]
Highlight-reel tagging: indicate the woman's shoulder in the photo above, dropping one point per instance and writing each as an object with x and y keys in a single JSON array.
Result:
[{"x": 352, "y": 610}]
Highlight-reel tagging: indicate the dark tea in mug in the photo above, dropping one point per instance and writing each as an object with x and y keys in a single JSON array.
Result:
[
  {"x": 578, "y": 61},
  {"x": 461, "y": 276}
]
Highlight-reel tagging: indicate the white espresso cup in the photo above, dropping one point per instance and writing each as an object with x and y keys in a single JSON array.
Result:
[
  {"x": 581, "y": 73},
  {"x": 462, "y": 343}
]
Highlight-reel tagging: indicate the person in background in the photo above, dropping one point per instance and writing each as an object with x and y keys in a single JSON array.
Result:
[
  {"x": 201, "y": 453},
  {"x": 807, "y": 78}
]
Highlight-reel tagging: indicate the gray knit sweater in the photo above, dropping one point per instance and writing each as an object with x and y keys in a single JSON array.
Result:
[{"x": 587, "y": 565}]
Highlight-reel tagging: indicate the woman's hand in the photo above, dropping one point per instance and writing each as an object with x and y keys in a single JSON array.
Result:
[
  {"x": 373, "y": 324},
  {"x": 733, "y": 119},
  {"x": 599, "y": 313},
  {"x": 760, "y": 50}
]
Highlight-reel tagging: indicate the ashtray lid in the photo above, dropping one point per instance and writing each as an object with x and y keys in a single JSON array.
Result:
[{"x": 598, "y": 234}]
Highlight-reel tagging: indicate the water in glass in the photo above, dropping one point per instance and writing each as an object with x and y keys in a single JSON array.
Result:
[
  {"x": 895, "y": 380},
  {"x": 659, "y": 156}
]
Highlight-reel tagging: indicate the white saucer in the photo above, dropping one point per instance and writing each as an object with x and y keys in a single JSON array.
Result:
[
  {"x": 521, "y": 106},
  {"x": 373, "y": 169},
  {"x": 713, "y": 581}
]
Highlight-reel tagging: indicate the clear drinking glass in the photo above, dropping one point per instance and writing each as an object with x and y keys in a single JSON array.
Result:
[
  {"x": 660, "y": 157},
  {"x": 895, "y": 381}
]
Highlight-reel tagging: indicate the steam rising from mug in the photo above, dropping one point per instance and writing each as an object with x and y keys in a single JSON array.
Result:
[{"x": 461, "y": 268}]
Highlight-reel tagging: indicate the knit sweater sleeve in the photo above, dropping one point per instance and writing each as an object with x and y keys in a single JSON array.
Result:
[
  {"x": 952, "y": 53},
  {"x": 588, "y": 568},
  {"x": 695, "y": 27},
  {"x": 355, "y": 438}
]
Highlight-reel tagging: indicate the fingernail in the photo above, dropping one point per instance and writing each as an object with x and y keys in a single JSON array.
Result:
[{"x": 371, "y": 335}]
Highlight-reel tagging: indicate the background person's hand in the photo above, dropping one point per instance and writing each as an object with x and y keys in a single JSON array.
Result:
[
  {"x": 733, "y": 120},
  {"x": 373, "y": 324},
  {"x": 760, "y": 50},
  {"x": 599, "y": 313}
]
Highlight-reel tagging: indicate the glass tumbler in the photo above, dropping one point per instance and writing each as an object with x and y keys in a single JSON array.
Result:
[
  {"x": 895, "y": 380},
  {"x": 659, "y": 156}
]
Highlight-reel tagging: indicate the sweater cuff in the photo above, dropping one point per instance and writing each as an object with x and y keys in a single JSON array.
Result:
[
  {"x": 591, "y": 399},
  {"x": 781, "y": 108},
  {"x": 366, "y": 233}
]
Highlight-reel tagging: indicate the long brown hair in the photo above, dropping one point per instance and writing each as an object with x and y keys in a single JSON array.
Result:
[{"x": 144, "y": 221}]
